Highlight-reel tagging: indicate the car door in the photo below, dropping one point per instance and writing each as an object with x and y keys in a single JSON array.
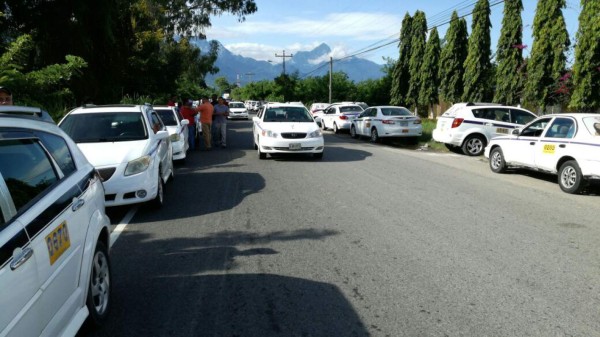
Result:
[
  {"x": 183, "y": 129},
  {"x": 164, "y": 152},
  {"x": 554, "y": 143},
  {"x": 522, "y": 150},
  {"x": 368, "y": 117},
  {"x": 359, "y": 122},
  {"x": 496, "y": 121},
  {"x": 327, "y": 118}
]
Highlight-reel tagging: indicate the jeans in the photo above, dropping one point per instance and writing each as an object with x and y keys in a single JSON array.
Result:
[
  {"x": 220, "y": 133},
  {"x": 192, "y": 136}
]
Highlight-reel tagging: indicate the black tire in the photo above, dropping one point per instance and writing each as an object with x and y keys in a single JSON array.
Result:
[
  {"x": 172, "y": 171},
  {"x": 99, "y": 288},
  {"x": 335, "y": 128},
  {"x": 261, "y": 155},
  {"x": 323, "y": 125},
  {"x": 353, "y": 133},
  {"x": 374, "y": 135},
  {"x": 159, "y": 200},
  {"x": 497, "y": 163},
  {"x": 570, "y": 178},
  {"x": 318, "y": 155},
  {"x": 474, "y": 145}
]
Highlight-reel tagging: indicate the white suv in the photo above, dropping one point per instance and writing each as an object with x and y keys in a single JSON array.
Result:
[
  {"x": 470, "y": 126},
  {"x": 54, "y": 233},
  {"x": 130, "y": 147}
]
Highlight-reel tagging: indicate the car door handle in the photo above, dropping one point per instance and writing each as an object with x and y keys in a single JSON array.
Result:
[
  {"x": 562, "y": 145},
  {"x": 20, "y": 258},
  {"x": 77, "y": 204}
]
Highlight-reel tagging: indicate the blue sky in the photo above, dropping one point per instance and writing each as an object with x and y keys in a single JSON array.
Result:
[{"x": 348, "y": 26}]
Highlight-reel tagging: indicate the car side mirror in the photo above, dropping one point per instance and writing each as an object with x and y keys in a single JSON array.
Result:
[
  {"x": 516, "y": 132},
  {"x": 185, "y": 122},
  {"x": 162, "y": 134}
]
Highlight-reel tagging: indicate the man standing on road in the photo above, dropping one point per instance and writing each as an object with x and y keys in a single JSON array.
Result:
[
  {"x": 190, "y": 114},
  {"x": 5, "y": 96},
  {"x": 206, "y": 118},
  {"x": 221, "y": 112}
]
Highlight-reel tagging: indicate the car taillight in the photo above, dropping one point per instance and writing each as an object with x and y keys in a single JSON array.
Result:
[
  {"x": 417, "y": 121},
  {"x": 385, "y": 121},
  {"x": 343, "y": 117},
  {"x": 457, "y": 122}
]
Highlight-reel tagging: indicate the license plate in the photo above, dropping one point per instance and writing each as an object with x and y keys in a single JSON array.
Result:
[
  {"x": 295, "y": 146},
  {"x": 403, "y": 123},
  {"x": 58, "y": 242},
  {"x": 405, "y": 131}
]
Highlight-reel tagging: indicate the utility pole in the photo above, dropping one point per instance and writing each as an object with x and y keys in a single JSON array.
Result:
[
  {"x": 330, "y": 76},
  {"x": 250, "y": 76},
  {"x": 283, "y": 57}
]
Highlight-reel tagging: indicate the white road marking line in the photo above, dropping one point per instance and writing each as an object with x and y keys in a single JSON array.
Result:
[{"x": 121, "y": 226}]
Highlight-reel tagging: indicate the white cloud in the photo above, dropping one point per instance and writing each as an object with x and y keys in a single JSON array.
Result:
[
  {"x": 265, "y": 52},
  {"x": 337, "y": 52}
]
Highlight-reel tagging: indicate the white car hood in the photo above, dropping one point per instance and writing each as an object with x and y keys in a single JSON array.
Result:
[
  {"x": 110, "y": 154},
  {"x": 237, "y": 110}
]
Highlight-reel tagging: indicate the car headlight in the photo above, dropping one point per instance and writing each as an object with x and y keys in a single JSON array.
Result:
[
  {"x": 315, "y": 134},
  {"x": 137, "y": 165},
  {"x": 175, "y": 137},
  {"x": 269, "y": 133}
]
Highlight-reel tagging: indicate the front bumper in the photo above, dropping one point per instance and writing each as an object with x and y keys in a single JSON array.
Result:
[
  {"x": 125, "y": 190},
  {"x": 282, "y": 145},
  {"x": 179, "y": 149}
]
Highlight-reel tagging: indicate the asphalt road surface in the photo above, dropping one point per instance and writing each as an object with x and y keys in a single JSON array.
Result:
[{"x": 372, "y": 240}]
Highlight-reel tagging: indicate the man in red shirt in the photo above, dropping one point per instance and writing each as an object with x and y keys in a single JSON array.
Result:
[{"x": 190, "y": 114}]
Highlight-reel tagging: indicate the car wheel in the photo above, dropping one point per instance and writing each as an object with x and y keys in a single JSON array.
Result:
[
  {"x": 159, "y": 200},
  {"x": 374, "y": 135},
  {"x": 261, "y": 155},
  {"x": 172, "y": 177},
  {"x": 353, "y": 133},
  {"x": 570, "y": 179},
  {"x": 335, "y": 128},
  {"x": 474, "y": 146},
  {"x": 98, "y": 297},
  {"x": 497, "y": 163},
  {"x": 318, "y": 155}
]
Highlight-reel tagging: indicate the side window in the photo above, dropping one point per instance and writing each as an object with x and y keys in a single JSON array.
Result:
[
  {"x": 373, "y": 113},
  {"x": 26, "y": 169},
  {"x": 536, "y": 128},
  {"x": 59, "y": 150},
  {"x": 179, "y": 116},
  {"x": 521, "y": 117},
  {"x": 157, "y": 124},
  {"x": 561, "y": 128}
]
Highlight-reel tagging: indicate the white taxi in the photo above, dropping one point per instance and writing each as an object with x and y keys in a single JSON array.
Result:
[
  {"x": 387, "y": 122},
  {"x": 286, "y": 128},
  {"x": 54, "y": 233},
  {"x": 178, "y": 130},
  {"x": 564, "y": 144},
  {"x": 130, "y": 147},
  {"x": 237, "y": 110}
]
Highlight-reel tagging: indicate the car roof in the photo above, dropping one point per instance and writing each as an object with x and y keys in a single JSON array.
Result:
[
  {"x": 109, "y": 108},
  {"x": 270, "y": 105},
  {"x": 26, "y": 111}
]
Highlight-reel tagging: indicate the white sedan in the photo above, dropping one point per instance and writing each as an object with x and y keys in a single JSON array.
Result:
[
  {"x": 338, "y": 116},
  {"x": 130, "y": 147},
  {"x": 386, "y": 122},
  {"x": 564, "y": 144},
  {"x": 237, "y": 110},
  {"x": 178, "y": 130},
  {"x": 286, "y": 128}
]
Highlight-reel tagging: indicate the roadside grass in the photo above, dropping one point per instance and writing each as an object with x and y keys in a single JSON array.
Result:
[{"x": 427, "y": 137}]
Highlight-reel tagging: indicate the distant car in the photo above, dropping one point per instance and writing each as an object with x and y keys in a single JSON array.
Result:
[
  {"x": 362, "y": 104},
  {"x": 130, "y": 147},
  {"x": 54, "y": 234},
  {"x": 386, "y": 122},
  {"x": 237, "y": 111},
  {"x": 177, "y": 126},
  {"x": 26, "y": 111},
  {"x": 470, "y": 126},
  {"x": 338, "y": 116},
  {"x": 564, "y": 144},
  {"x": 286, "y": 128}
]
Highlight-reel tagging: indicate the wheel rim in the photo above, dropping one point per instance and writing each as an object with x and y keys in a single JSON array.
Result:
[
  {"x": 474, "y": 145},
  {"x": 352, "y": 132},
  {"x": 568, "y": 177},
  {"x": 160, "y": 191},
  {"x": 335, "y": 127},
  {"x": 100, "y": 282},
  {"x": 374, "y": 135},
  {"x": 496, "y": 160}
]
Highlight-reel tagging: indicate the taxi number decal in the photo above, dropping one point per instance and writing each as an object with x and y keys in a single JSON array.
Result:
[
  {"x": 58, "y": 242},
  {"x": 549, "y": 148},
  {"x": 502, "y": 130},
  {"x": 368, "y": 124}
]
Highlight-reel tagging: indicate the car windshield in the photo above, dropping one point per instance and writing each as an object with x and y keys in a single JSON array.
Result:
[
  {"x": 105, "y": 127},
  {"x": 237, "y": 105},
  {"x": 167, "y": 116},
  {"x": 287, "y": 114},
  {"x": 395, "y": 112},
  {"x": 351, "y": 108}
]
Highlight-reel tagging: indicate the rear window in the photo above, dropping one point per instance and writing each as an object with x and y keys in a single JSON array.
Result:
[
  {"x": 395, "y": 112},
  {"x": 351, "y": 108},
  {"x": 592, "y": 124}
]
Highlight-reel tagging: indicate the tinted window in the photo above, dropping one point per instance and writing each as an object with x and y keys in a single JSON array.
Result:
[
  {"x": 395, "y": 112},
  {"x": 59, "y": 150},
  {"x": 351, "y": 108},
  {"x": 536, "y": 128},
  {"x": 521, "y": 117},
  {"x": 26, "y": 169},
  {"x": 592, "y": 124},
  {"x": 561, "y": 128},
  {"x": 167, "y": 116},
  {"x": 105, "y": 127},
  {"x": 493, "y": 114}
]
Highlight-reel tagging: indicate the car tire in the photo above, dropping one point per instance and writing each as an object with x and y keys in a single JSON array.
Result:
[
  {"x": 261, "y": 155},
  {"x": 374, "y": 135},
  {"x": 318, "y": 155},
  {"x": 474, "y": 145},
  {"x": 570, "y": 178},
  {"x": 497, "y": 163},
  {"x": 323, "y": 125},
  {"x": 99, "y": 288},
  {"x": 353, "y": 133},
  {"x": 335, "y": 128},
  {"x": 172, "y": 177},
  {"x": 159, "y": 200}
]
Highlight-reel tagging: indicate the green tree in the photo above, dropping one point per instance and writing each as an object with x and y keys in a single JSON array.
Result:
[
  {"x": 510, "y": 70},
  {"x": 586, "y": 69},
  {"x": 428, "y": 94},
  {"x": 419, "y": 34},
  {"x": 546, "y": 64},
  {"x": 477, "y": 77},
  {"x": 400, "y": 75},
  {"x": 454, "y": 52},
  {"x": 377, "y": 91}
]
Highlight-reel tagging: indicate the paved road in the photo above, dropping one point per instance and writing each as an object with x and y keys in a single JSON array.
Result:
[{"x": 373, "y": 240}]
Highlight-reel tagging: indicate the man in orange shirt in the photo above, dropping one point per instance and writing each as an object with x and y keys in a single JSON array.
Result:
[{"x": 206, "y": 110}]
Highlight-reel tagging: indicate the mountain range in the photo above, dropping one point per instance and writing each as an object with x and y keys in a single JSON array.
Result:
[{"x": 237, "y": 68}]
